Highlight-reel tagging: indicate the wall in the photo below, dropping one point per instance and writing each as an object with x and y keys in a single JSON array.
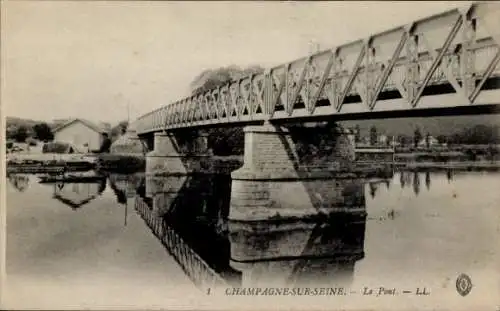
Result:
[{"x": 79, "y": 134}]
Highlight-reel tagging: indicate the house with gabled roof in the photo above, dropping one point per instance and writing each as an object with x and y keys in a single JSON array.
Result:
[
  {"x": 76, "y": 195},
  {"x": 81, "y": 133}
]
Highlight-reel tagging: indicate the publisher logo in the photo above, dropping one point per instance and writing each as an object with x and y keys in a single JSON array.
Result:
[{"x": 464, "y": 284}]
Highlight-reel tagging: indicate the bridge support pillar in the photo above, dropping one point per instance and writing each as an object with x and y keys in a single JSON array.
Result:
[
  {"x": 172, "y": 155},
  {"x": 269, "y": 154},
  {"x": 298, "y": 253},
  {"x": 274, "y": 184}
]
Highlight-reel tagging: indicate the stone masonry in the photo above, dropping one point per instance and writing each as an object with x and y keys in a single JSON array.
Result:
[
  {"x": 272, "y": 174},
  {"x": 171, "y": 157}
]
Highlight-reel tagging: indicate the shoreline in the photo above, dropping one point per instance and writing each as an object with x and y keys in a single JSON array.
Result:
[
  {"x": 84, "y": 161},
  {"x": 452, "y": 165}
]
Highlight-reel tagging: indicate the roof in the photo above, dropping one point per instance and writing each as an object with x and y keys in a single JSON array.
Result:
[
  {"x": 75, "y": 204},
  {"x": 95, "y": 127}
]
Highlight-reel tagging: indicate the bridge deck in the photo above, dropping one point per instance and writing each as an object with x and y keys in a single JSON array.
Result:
[{"x": 448, "y": 61}]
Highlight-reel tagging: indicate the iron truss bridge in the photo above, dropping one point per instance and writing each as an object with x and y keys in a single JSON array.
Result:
[{"x": 446, "y": 61}]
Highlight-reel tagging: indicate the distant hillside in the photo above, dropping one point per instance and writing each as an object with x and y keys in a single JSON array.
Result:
[{"x": 435, "y": 126}]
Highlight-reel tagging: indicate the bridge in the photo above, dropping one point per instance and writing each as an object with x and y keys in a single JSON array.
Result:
[{"x": 440, "y": 65}]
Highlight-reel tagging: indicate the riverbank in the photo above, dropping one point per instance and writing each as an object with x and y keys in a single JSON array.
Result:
[
  {"x": 75, "y": 254},
  {"x": 45, "y": 163},
  {"x": 35, "y": 163},
  {"x": 463, "y": 165}
]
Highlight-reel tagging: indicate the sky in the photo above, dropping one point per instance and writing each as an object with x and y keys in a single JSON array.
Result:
[{"x": 92, "y": 59}]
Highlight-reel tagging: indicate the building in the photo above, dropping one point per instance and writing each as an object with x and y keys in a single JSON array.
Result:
[
  {"x": 432, "y": 142},
  {"x": 75, "y": 195},
  {"x": 383, "y": 139},
  {"x": 81, "y": 133}
]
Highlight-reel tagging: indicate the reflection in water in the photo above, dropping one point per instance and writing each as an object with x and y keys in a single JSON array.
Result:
[
  {"x": 74, "y": 189},
  {"x": 373, "y": 189},
  {"x": 319, "y": 253},
  {"x": 194, "y": 206},
  {"x": 125, "y": 185},
  {"x": 19, "y": 181},
  {"x": 373, "y": 186},
  {"x": 402, "y": 180},
  {"x": 428, "y": 180},
  {"x": 77, "y": 194},
  {"x": 121, "y": 195},
  {"x": 413, "y": 179},
  {"x": 269, "y": 252},
  {"x": 388, "y": 184},
  {"x": 193, "y": 225},
  {"x": 416, "y": 183}
]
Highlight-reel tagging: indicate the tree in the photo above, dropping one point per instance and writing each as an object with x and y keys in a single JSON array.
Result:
[
  {"x": 390, "y": 139},
  {"x": 119, "y": 130},
  {"x": 417, "y": 137},
  {"x": 213, "y": 78},
  {"x": 403, "y": 139},
  {"x": 428, "y": 140},
  {"x": 223, "y": 141},
  {"x": 442, "y": 139},
  {"x": 479, "y": 134},
  {"x": 357, "y": 133},
  {"x": 124, "y": 126},
  {"x": 21, "y": 134},
  {"x": 373, "y": 135},
  {"x": 43, "y": 132}
]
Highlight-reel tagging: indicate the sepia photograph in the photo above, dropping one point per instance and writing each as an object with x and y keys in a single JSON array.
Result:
[{"x": 250, "y": 155}]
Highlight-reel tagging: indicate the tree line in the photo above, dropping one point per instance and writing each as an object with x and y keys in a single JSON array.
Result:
[
  {"x": 40, "y": 131},
  {"x": 230, "y": 140},
  {"x": 224, "y": 141},
  {"x": 474, "y": 135},
  {"x": 43, "y": 132}
]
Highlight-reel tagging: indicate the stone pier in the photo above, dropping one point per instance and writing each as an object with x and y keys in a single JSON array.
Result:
[
  {"x": 276, "y": 181},
  {"x": 177, "y": 154},
  {"x": 175, "y": 157},
  {"x": 298, "y": 253}
]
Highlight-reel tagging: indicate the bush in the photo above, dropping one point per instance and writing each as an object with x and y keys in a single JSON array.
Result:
[
  {"x": 55, "y": 147},
  {"x": 226, "y": 141},
  {"x": 9, "y": 144},
  {"x": 121, "y": 163}
]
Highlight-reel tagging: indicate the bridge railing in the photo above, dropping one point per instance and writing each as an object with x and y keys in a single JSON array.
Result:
[
  {"x": 459, "y": 49},
  {"x": 198, "y": 271}
]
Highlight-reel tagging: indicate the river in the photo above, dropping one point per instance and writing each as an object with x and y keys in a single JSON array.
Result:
[{"x": 78, "y": 245}]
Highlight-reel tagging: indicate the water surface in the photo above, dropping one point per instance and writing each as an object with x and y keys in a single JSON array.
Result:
[{"x": 78, "y": 244}]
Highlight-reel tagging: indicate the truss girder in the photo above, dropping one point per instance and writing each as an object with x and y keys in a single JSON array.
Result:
[{"x": 460, "y": 47}]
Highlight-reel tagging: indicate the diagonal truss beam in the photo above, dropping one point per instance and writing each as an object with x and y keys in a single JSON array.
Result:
[
  {"x": 322, "y": 83},
  {"x": 352, "y": 77},
  {"x": 388, "y": 69},
  {"x": 291, "y": 101},
  {"x": 486, "y": 75},
  {"x": 479, "y": 24},
  {"x": 437, "y": 60}
]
